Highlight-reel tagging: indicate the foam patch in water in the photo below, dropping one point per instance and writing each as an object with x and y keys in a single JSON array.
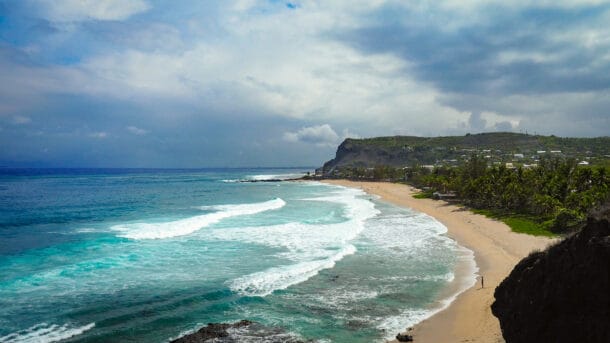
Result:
[
  {"x": 313, "y": 247},
  {"x": 189, "y": 225},
  {"x": 45, "y": 333},
  {"x": 266, "y": 282}
]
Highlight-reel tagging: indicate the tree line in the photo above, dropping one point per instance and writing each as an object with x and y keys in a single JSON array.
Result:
[{"x": 557, "y": 193}]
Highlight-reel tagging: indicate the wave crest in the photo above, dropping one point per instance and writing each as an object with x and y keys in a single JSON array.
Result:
[
  {"x": 312, "y": 247},
  {"x": 266, "y": 282},
  {"x": 187, "y": 226},
  {"x": 45, "y": 333}
]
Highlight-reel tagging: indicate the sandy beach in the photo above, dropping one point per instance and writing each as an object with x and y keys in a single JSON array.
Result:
[{"x": 496, "y": 249}]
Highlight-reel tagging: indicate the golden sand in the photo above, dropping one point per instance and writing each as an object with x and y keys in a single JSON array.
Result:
[{"x": 496, "y": 249}]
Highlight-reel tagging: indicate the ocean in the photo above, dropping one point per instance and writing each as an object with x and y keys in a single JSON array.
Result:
[{"x": 128, "y": 255}]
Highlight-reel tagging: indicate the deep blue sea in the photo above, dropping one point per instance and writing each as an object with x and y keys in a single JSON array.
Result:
[{"x": 127, "y": 255}]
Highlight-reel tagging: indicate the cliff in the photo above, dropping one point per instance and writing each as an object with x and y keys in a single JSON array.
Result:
[
  {"x": 561, "y": 294},
  {"x": 402, "y": 151},
  {"x": 357, "y": 153}
]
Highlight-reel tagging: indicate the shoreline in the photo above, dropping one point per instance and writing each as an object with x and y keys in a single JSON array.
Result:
[{"x": 463, "y": 312}]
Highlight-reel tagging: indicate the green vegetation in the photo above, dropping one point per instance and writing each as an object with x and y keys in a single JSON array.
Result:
[
  {"x": 422, "y": 195},
  {"x": 497, "y": 148},
  {"x": 519, "y": 223},
  {"x": 550, "y": 198},
  {"x": 381, "y": 172},
  {"x": 540, "y": 185},
  {"x": 553, "y": 197},
  {"x": 523, "y": 224},
  {"x": 504, "y": 141}
]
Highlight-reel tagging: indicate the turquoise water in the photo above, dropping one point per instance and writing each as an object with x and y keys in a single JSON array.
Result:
[{"x": 148, "y": 255}]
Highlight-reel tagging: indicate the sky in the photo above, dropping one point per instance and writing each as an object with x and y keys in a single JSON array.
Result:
[{"x": 244, "y": 83}]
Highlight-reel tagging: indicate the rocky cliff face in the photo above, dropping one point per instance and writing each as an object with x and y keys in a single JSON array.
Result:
[
  {"x": 357, "y": 153},
  {"x": 563, "y": 293}
]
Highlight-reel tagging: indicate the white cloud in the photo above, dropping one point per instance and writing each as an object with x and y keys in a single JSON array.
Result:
[
  {"x": 20, "y": 120},
  {"x": 347, "y": 134},
  {"x": 301, "y": 72},
  {"x": 321, "y": 135},
  {"x": 294, "y": 72},
  {"x": 99, "y": 135},
  {"x": 81, "y": 10},
  {"x": 136, "y": 130},
  {"x": 487, "y": 121}
]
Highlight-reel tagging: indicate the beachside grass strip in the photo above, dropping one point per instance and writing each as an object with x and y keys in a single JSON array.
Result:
[{"x": 518, "y": 223}]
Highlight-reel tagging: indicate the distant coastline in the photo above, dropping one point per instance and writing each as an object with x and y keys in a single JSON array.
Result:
[{"x": 496, "y": 250}]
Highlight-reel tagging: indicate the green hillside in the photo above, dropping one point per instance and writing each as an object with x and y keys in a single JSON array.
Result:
[{"x": 497, "y": 147}]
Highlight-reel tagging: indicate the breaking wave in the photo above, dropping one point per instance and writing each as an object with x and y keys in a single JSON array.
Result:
[
  {"x": 45, "y": 333},
  {"x": 189, "y": 225}
]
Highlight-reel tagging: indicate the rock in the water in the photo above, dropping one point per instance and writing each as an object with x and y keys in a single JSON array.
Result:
[
  {"x": 211, "y": 331},
  {"x": 404, "y": 338},
  {"x": 561, "y": 294},
  {"x": 243, "y": 331}
]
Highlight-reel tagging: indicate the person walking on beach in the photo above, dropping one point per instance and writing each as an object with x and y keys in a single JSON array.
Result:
[{"x": 482, "y": 282}]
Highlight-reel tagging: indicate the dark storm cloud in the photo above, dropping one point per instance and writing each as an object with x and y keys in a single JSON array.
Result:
[{"x": 501, "y": 50}]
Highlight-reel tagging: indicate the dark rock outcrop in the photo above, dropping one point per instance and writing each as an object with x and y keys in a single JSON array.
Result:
[
  {"x": 561, "y": 294},
  {"x": 211, "y": 331},
  {"x": 361, "y": 153},
  {"x": 242, "y": 331},
  {"x": 404, "y": 338}
]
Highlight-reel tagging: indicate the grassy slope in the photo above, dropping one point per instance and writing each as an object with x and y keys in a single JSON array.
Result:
[
  {"x": 506, "y": 141},
  {"x": 518, "y": 223}
]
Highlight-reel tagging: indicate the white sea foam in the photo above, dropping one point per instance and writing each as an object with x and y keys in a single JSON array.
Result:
[
  {"x": 448, "y": 277},
  {"x": 340, "y": 298},
  {"x": 266, "y": 282},
  {"x": 418, "y": 236},
  {"x": 312, "y": 247},
  {"x": 308, "y": 241},
  {"x": 189, "y": 225},
  {"x": 395, "y": 324},
  {"x": 242, "y": 209},
  {"x": 45, "y": 333},
  {"x": 266, "y": 177},
  {"x": 408, "y": 318},
  {"x": 407, "y": 235},
  {"x": 87, "y": 230}
]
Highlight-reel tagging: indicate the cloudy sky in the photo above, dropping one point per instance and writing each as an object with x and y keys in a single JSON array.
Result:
[{"x": 190, "y": 83}]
